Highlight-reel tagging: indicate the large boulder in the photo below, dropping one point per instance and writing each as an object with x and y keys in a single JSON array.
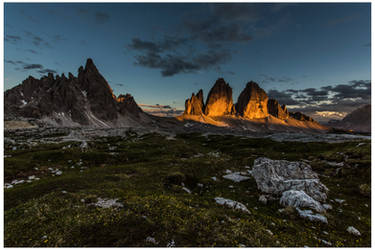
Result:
[
  {"x": 278, "y": 176},
  {"x": 252, "y": 102},
  {"x": 219, "y": 100}
]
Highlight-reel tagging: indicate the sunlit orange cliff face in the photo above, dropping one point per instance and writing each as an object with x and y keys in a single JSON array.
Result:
[{"x": 253, "y": 105}]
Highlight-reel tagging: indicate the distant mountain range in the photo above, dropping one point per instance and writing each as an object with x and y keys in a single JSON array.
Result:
[
  {"x": 253, "y": 109},
  {"x": 358, "y": 121},
  {"x": 88, "y": 100},
  {"x": 73, "y": 101}
]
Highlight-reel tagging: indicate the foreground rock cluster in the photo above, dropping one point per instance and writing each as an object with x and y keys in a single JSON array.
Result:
[{"x": 295, "y": 182}]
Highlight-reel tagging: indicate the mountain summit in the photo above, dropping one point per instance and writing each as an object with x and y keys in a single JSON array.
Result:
[
  {"x": 253, "y": 110},
  {"x": 219, "y": 100},
  {"x": 252, "y": 102},
  {"x": 74, "y": 101}
]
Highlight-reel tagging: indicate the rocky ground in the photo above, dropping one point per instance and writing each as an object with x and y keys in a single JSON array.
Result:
[{"x": 120, "y": 187}]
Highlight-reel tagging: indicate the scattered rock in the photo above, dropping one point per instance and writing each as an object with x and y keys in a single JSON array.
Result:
[
  {"x": 214, "y": 178},
  {"x": 151, "y": 240},
  {"x": 16, "y": 182},
  {"x": 236, "y": 177},
  {"x": 269, "y": 232},
  {"x": 84, "y": 145},
  {"x": 326, "y": 242},
  {"x": 296, "y": 198},
  {"x": 353, "y": 231},
  {"x": 107, "y": 203},
  {"x": 172, "y": 243},
  {"x": 263, "y": 199},
  {"x": 186, "y": 190},
  {"x": 327, "y": 206},
  {"x": 334, "y": 164},
  {"x": 214, "y": 154},
  {"x": 339, "y": 201},
  {"x": 308, "y": 214},
  {"x": 231, "y": 204}
]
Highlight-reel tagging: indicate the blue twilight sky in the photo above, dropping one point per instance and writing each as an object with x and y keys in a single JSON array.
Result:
[{"x": 312, "y": 57}]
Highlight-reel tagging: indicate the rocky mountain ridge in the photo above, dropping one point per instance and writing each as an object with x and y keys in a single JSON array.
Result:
[
  {"x": 73, "y": 101},
  {"x": 358, "y": 120},
  {"x": 253, "y": 105}
]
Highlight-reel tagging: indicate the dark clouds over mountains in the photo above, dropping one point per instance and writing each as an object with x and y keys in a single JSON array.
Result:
[
  {"x": 340, "y": 97},
  {"x": 214, "y": 35}
]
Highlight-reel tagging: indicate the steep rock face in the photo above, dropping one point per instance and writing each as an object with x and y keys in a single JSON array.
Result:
[
  {"x": 252, "y": 102},
  {"x": 85, "y": 100},
  {"x": 276, "y": 110},
  {"x": 98, "y": 92},
  {"x": 359, "y": 120},
  {"x": 301, "y": 117},
  {"x": 195, "y": 105},
  {"x": 126, "y": 103},
  {"x": 219, "y": 100}
]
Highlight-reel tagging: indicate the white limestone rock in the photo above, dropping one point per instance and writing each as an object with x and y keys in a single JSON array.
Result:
[
  {"x": 308, "y": 214},
  {"x": 231, "y": 204},
  {"x": 277, "y": 176},
  {"x": 353, "y": 231},
  {"x": 300, "y": 199},
  {"x": 263, "y": 199},
  {"x": 236, "y": 177}
]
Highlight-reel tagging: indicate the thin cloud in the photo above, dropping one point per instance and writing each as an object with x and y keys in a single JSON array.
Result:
[
  {"x": 32, "y": 66},
  {"x": 46, "y": 71},
  {"x": 271, "y": 79},
  {"x": 101, "y": 17},
  {"x": 12, "y": 39}
]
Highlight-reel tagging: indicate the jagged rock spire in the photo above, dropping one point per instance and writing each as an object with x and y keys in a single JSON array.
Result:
[
  {"x": 252, "y": 102},
  {"x": 219, "y": 100},
  {"x": 194, "y": 105},
  {"x": 276, "y": 110}
]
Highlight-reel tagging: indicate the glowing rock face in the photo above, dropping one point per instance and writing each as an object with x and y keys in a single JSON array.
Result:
[
  {"x": 194, "y": 105},
  {"x": 252, "y": 102},
  {"x": 219, "y": 101}
]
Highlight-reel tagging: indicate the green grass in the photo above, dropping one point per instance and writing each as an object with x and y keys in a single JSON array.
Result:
[{"x": 145, "y": 174}]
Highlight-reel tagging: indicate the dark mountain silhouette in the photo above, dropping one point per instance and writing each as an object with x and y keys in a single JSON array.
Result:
[
  {"x": 83, "y": 100},
  {"x": 358, "y": 120}
]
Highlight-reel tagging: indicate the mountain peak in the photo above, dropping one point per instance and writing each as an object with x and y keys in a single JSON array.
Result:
[
  {"x": 219, "y": 100},
  {"x": 252, "y": 102},
  {"x": 194, "y": 105},
  {"x": 90, "y": 66}
]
